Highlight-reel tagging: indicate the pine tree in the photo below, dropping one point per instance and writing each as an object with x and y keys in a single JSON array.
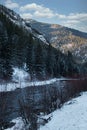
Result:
[
  {"x": 39, "y": 59},
  {"x": 5, "y": 57},
  {"x": 30, "y": 58},
  {"x": 50, "y": 61}
]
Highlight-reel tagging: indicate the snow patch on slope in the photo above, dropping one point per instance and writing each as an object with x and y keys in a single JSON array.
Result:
[
  {"x": 41, "y": 37},
  {"x": 15, "y": 18},
  {"x": 72, "y": 116},
  {"x": 20, "y": 75},
  {"x": 19, "y": 125}
]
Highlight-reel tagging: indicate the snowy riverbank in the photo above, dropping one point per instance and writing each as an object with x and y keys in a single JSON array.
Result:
[
  {"x": 22, "y": 84},
  {"x": 72, "y": 116}
]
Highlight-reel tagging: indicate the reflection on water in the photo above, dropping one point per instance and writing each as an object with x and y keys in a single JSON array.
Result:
[{"x": 40, "y": 98}]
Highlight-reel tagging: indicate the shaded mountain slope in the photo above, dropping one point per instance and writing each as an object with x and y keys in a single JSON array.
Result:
[
  {"x": 66, "y": 39},
  {"x": 22, "y": 45}
]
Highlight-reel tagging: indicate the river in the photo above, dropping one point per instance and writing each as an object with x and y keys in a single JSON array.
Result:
[{"x": 39, "y": 97}]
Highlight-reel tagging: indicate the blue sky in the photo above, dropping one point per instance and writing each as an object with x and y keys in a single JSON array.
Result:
[{"x": 70, "y": 13}]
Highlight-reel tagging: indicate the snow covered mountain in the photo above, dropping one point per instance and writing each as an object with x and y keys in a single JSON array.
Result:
[{"x": 63, "y": 38}]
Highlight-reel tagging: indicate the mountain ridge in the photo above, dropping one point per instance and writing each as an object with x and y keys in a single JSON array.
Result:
[
  {"x": 21, "y": 44},
  {"x": 63, "y": 38}
]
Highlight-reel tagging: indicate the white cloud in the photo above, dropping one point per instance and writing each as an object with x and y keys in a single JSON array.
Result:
[
  {"x": 26, "y": 15},
  {"x": 11, "y": 4},
  {"x": 42, "y": 11},
  {"x": 76, "y": 20},
  {"x": 42, "y": 14},
  {"x": 78, "y": 16},
  {"x": 69, "y": 24},
  {"x": 61, "y": 16},
  {"x": 82, "y": 28},
  {"x": 75, "y": 25},
  {"x": 32, "y": 6},
  {"x": 38, "y": 10}
]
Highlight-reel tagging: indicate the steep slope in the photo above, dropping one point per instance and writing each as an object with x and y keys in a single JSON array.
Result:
[
  {"x": 17, "y": 20},
  {"x": 71, "y": 117},
  {"x": 64, "y": 38},
  {"x": 21, "y": 45}
]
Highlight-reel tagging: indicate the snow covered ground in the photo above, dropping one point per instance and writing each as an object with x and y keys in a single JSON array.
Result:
[
  {"x": 72, "y": 116},
  {"x": 22, "y": 84},
  {"x": 19, "y": 125},
  {"x": 21, "y": 79},
  {"x": 12, "y": 86}
]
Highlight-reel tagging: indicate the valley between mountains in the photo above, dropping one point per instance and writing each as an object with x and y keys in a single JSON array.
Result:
[{"x": 43, "y": 75}]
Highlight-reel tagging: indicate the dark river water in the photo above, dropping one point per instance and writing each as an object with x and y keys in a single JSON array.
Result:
[{"x": 38, "y": 98}]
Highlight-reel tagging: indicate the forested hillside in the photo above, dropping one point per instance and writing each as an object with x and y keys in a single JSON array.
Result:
[
  {"x": 63, "y": 38},
  {"x": 41, "y": 67},
  {"x": 20, "y": 44}
]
